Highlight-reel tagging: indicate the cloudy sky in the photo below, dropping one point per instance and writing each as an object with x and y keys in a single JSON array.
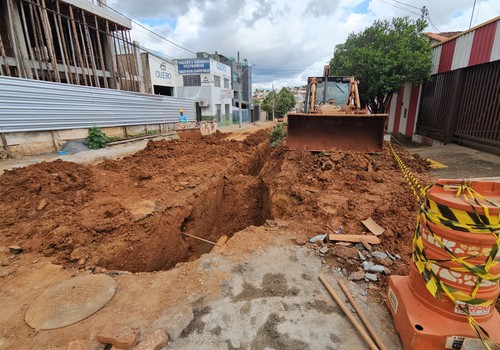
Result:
[{"x": 286, "y": 40}]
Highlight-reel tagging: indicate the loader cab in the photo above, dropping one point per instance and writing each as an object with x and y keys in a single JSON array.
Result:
[{"x": 334, "y": 90}]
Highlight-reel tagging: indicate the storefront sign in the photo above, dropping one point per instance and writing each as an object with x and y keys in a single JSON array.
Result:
[
  {"x": 162, "y": 72},
  {"x": 193, "y": 66}
]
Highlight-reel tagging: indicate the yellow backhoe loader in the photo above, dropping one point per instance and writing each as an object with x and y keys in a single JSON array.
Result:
[{"x": 332, "y": 119}]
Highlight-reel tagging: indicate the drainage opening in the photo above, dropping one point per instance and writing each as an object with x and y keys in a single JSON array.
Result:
[{"x": 419, "y": 327}]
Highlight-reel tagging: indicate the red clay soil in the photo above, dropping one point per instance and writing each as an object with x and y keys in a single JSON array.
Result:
[
  {"x": 128, "y": 214},
  {"x": 336, "y": 191}
]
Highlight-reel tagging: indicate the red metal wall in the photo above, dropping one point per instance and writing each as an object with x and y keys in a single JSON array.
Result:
[
  {"x": 482, "y": 44},
  {"x": 446, "y": 60},
  {"x": 412, "y": 110},
  {"x": 399, "y": 105},
  {"x": 478, "y": 53}
]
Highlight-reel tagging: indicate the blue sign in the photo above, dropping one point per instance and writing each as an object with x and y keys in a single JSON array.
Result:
[{"x": 194, "y": 66}]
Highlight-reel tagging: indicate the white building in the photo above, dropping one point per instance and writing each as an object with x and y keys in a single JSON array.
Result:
[
  {"x": 208, "y": 82},
  {"x": 160, "y": 75}
]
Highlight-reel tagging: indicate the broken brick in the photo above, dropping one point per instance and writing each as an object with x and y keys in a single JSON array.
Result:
[
  {"x": 155, "y": 341},
  {"x": 120, "y": 336}
]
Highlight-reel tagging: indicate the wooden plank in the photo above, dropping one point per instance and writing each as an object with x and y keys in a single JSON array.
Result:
[
  {"x": 349, "y": 315},
  {"x": 91, "y": 50},
  {"x": 65, "y": 46},
  {"x": 41, "y": 46},
  {"x": 48, "y": 38},
  {"x": 120, "y": 58},
  {"x": 4, "y": 56},
  {"x": 37, "y": 56},
  {"x": 109, "y": 38},
  {"x": 77, "y": 45},
  {"x": 362, "y": 316},
  {"x": 19, "y": 40},
  {"x": 21, "y": 69},
  {"x": 4, "y": 143},
  {"x": 101, "y": 56},
  {"x": 126, "y": 56},
  {"x": 85, "y": 54},
  {"x": 373, "y": 226},
  {"x": 59, "y": 40},
  {"x": 335, "y": 237},
  {"x": 133, "y": 64},
  {"x": 28, "y": 40},
  {"x": 73, "y": 53},
  {"x": 118, "y": 62}
]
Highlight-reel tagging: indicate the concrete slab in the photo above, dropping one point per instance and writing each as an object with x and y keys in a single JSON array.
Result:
[{"x": 461, "y": 162}]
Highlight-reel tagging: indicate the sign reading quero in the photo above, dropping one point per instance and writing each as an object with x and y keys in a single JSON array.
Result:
[
  {"x": 162, "y": 73},
  {"x": 194, "y": 66}
]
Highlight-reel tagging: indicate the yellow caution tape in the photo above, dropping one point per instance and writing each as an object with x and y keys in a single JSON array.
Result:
[
  {"x": 416, "y": 187},
  {"x": 458, "y": 220}
]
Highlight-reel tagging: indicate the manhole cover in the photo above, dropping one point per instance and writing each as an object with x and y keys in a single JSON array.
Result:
[{"x": 70, "y": 301}]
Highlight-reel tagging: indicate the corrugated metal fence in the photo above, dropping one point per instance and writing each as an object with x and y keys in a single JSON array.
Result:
[
  {"x": 463, "y": 106},
  {"x": 31, "y": 105}
]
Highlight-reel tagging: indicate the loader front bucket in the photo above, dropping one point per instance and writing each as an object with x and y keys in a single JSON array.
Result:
[{"x": 327, "y": 132}]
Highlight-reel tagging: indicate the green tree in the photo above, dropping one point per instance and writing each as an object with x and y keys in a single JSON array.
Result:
[
  {"x": 285, "y": 102},
  {"x": 384, "y": 57},
  {"x": 281, "y": 102},
  {"x": 269, "y": 102}
]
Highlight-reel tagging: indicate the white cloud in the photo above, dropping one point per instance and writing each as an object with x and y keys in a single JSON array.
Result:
[{"x": 286, "y": 40}]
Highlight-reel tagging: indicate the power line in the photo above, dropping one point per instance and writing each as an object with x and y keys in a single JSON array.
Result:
[
  {"x": 137, "y": 18},
  {"x": 401, "y": 8},
  {"x": 432, "y": 24},
  {"x": 149, "y": 30},
  {"x": 402, "y": 3}
]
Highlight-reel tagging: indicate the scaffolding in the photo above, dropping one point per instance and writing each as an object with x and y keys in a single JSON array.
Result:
[{"x": 57, "y": 41}]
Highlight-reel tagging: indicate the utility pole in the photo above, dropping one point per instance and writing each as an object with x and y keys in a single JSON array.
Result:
[
  {"x": 425, "y": 12},
  {"x": 240, "y": 118},
  {"x": 274, "y": 98}
]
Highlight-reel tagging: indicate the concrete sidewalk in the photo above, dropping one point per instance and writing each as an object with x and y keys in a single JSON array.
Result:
[
  {"x": 111, "y": 152},
  {"x": 461, "y": 162}
]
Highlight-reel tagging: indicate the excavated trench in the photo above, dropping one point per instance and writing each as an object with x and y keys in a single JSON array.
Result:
[
  {"x": 224, "y": 205},
  {"x": 138, "y": 213}
]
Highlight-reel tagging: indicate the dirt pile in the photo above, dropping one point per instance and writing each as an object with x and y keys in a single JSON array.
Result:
[
  {"x": 334, "y": 192},
  {"x": 129, "y": 214}
]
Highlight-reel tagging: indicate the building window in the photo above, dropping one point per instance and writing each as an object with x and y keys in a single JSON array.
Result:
[
  {"x": 216, "y": 81},
  {"x": 191, "y": 80},
  {"x": 226, "y": 83}
]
